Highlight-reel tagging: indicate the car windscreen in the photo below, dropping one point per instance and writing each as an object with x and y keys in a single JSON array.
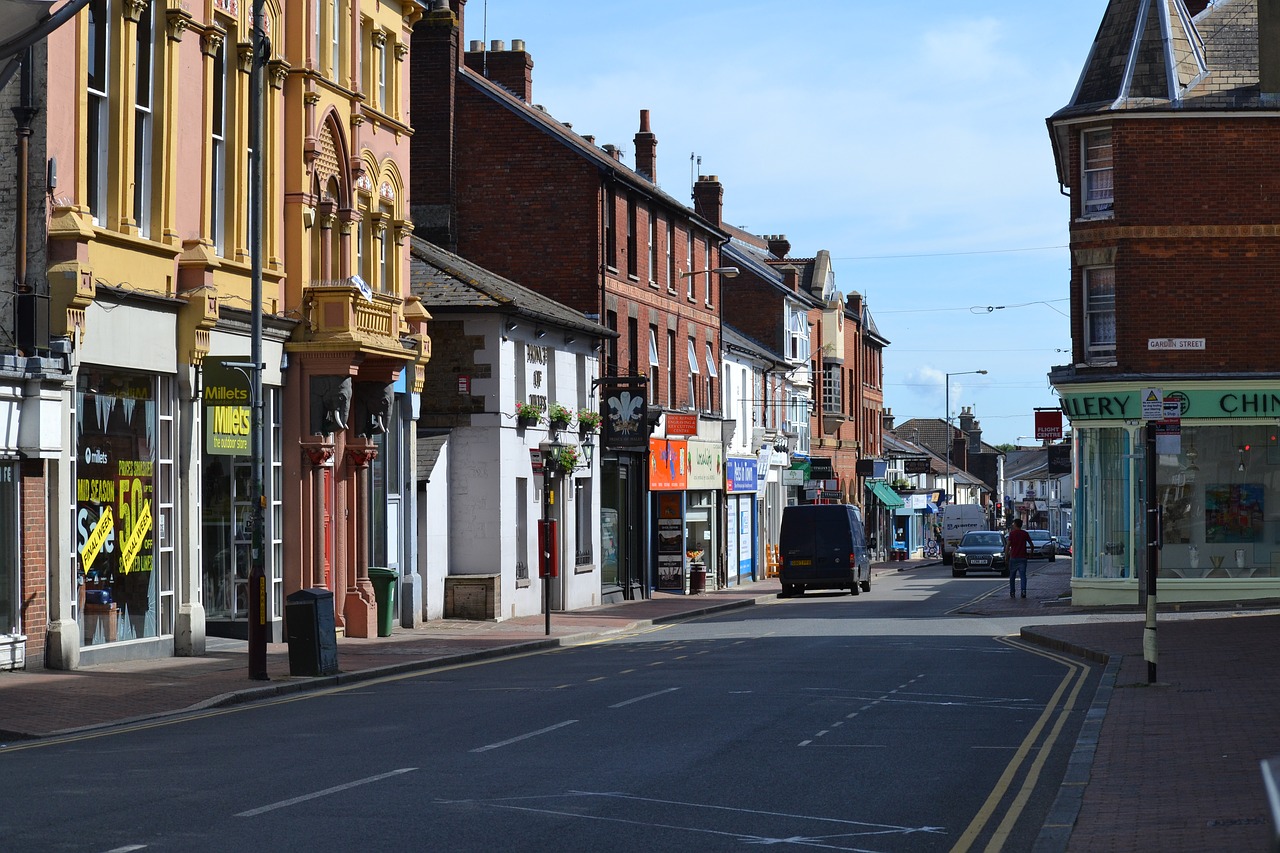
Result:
[
  {"x": 1039, "y": 535},
  {"x": 973, "y": 539}
]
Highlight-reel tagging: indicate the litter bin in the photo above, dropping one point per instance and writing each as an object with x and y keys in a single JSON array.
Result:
[
  {"x": 697, "y": 578},
  {"x": 384, "y": 590},
  {"x": 311, "y": 632}
]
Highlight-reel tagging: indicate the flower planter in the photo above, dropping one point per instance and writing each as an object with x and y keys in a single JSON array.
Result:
[
  {"x": 559, "y": 423},
  {"x": 526, "y": 422}
]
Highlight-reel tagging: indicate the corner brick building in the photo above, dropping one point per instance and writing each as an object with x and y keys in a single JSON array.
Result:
[
  {"x": 499, "y": 181},
  {"x": 1168, "y": 152}
]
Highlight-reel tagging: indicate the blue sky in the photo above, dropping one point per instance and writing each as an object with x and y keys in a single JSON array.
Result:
[{"x": 907, "y": 139}]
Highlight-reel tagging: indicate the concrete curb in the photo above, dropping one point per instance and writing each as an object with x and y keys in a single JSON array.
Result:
[{"x": 1055, "y": 834}]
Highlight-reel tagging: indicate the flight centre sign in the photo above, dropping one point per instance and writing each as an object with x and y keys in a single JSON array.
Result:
[{"x": 227, "y": 415}]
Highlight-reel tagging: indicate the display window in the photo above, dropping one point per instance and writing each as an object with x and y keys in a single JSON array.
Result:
[
  {"x": 1220, "y": 497},
  {"x": 1105, "y": 495},
  {"x": 10, "y": 588},
  {"x": 124, "y": 511}
]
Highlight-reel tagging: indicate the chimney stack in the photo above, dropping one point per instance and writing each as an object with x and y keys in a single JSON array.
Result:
[
  {"x": 1269, "y": 46},
  {"x": 510, "y": 69},
  {"x": 436, "y": 55},
  {"x": 791, "y": 279},
  {"x": 708, "y": 198},
  {"x": 613, "y": 151},
  {"x": 646, "y": 150},
  {"x": 779, "y": 246},
  {"x": 886, "y": 420}
]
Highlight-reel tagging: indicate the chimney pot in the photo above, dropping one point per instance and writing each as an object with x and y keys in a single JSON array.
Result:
[
  {"x": 497, "y": 46},
  {"x": 477, "y": 45},
  {"x": 646, "y": 149},
  {"x": 517, "y": 45}
]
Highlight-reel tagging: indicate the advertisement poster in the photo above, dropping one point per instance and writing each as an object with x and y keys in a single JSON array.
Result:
[
  {"x": 670, "y": 543},
  {"x": 706, "y": 466},
  {"x": 115, "y": 519},
  {"x": 668, "y": 465}
]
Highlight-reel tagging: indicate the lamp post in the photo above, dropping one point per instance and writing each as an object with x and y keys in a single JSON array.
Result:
[
  {"x": 951, "y": 485},
  {"x": 723, "y": 272}
]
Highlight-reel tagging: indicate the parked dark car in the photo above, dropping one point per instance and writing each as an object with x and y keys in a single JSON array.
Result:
[
  {"x": 823, "y": 546},
  {"x": 1043, "y": 546},
  {"x": 981, "y": 551}
]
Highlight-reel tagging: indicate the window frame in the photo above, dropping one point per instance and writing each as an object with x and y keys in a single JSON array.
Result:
[
  {"x": 1092, "y": 170},
  {"x": 99, "y": 62},
  {"x": 144, "y": 93},
  {"x": 1097, "y": 307}
]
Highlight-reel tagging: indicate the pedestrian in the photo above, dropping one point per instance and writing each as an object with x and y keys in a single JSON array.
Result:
[{"x": 1018, "y": 542}]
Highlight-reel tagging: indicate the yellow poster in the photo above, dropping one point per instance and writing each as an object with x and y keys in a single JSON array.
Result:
[
  {"x": 93, "y": 545},
  {"x": 141, "y": 527}
]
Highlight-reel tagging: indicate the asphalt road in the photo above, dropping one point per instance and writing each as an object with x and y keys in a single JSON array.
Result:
[{"x": 869, "y": 723}]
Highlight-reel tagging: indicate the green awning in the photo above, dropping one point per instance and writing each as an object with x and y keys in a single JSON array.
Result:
[{"x": 886, "y": 495}]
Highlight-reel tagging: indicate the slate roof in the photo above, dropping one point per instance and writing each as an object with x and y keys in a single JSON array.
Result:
[
  {"x": 732, "y": 338},
  {"x": 750, "y": 259},
  {"x": 1154, "y": 55},
  {"x": 575, "y": 142},
  {"x": 446, "y": 282},
  {"x": 933, "y": 435}
]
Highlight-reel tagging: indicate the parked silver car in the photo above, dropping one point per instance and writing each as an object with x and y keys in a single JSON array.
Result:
[{"x": 1043, "y": 546}]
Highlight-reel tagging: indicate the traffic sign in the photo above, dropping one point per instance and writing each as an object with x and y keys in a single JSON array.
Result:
[{"x": 1152, "y": 404}]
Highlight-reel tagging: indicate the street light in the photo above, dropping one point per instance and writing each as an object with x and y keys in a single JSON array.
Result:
[
  {"x": 724, "y": 272},
  {"x": 951, "y": 485}
]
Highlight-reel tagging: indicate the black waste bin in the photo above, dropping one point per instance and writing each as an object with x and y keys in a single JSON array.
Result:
[
  {"x": 384, "y": 590},
  {"x": 311, "y": 632},
  {"x": 697, "y": 578}
]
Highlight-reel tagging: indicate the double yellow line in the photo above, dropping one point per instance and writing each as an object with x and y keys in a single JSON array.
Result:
[{"x": 1033, "y": 747}]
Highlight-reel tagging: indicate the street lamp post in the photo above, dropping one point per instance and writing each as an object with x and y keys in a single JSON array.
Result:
[{"x": 950, "y": 485}]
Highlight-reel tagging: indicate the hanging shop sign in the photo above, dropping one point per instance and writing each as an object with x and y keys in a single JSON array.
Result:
[
  {"x": 626, "y": 412},
  {"x": 227, "y": 415},
  {"x": 1048, "y": 424}
]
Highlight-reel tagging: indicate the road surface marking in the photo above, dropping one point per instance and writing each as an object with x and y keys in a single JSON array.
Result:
[
  {"x": 598, "y": 678},
  {"x": 644, "y": 697},
  {"x": 519, "y": 738},
  {"x": 1076, "y": 672},
  {"x": 326, "y": 792}
]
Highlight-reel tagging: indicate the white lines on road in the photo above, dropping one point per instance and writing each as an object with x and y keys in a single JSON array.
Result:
[
  {"x": 702, "y": 816},
  {"x": 644, "y": 697},
  {"x": 526, "y": 736},
  {"x": 128, "y": 848},
  {"x": 326, "y": 792},
  {"x": 871, "y": 703}
]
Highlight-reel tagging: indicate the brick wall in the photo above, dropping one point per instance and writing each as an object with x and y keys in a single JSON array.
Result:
[
  {"x": 1196, "y": 240},
  {"x": 33, "y": 582},
  {"x": 453, "y": 354}
]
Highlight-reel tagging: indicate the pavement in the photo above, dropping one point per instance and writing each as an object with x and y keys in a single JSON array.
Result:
[{"x": 1172, "y": 765}]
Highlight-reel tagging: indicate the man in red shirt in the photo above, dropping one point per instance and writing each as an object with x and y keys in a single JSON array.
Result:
[{"x": 1018, "y": 542}]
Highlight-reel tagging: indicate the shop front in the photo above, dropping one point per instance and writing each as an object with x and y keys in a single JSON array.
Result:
[
  {"x": 1217, "y": 485},
  {"x": 686, "y": 478},
  {"x": 124, "y": 511},
  {"x": 704, "y": 497},
  {"x": 741, "y": 479}
]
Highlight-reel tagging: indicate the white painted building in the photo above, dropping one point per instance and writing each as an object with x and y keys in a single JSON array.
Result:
[{"x": 483, "y": 479}]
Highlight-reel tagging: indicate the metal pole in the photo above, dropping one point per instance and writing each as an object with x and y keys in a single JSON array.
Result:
[
  {"x": 1154, "y": 536},
  {"x": 257, "y": 572},
  {"x": 946, "y": 417}
]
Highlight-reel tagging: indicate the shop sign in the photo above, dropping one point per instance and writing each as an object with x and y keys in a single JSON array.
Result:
[
  {"x": 1048, "y": 424},
  {"x": 681, "y": 424},
  {"x": 227, "y": 416},
  {"x": 706, "y": 466},
  {"x": 1199, "y": 403},
  {"x": 741, "y": 473},
  {"x": 914, "y": 465},
  {"x": 1059, "y": 459},
  {"x": 668, "y": 465},
  {"x": 626, "y": 412},
  {"x": 793, "y": 477}
]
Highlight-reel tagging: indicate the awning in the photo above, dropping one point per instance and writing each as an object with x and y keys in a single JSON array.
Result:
[
  {"x": 885, "y": 495},
  {"x": 931, "y": 507}
]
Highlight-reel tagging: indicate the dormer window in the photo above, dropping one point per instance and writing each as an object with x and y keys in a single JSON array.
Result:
[{"x": 1099, "y": 192}]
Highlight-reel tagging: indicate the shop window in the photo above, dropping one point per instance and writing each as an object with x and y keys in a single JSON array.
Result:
[
  {"x": 10, "y": 588},
  {"x": 123, "y": 517},
  {"x": 1104, "y": 517},
  {"x": 98, "y": 118}
]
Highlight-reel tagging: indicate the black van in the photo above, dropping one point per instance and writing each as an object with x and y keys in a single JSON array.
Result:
[{"x": 823, "y": 546}]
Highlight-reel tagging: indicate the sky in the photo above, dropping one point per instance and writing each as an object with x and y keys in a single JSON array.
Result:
[{"x": 906, "y": 139}]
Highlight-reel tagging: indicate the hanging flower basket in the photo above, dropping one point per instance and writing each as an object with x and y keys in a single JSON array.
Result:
[
  {"x": 588, "y": 421},
  {"x": 565, "y": 459},
  {"x": 559, "y": 416},
  {"x": 527, "y": 414}
]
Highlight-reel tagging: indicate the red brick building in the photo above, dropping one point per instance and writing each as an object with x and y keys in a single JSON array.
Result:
[
  {"x": 499, "y": 181},
  {"x": 1170, "y": 152}
]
